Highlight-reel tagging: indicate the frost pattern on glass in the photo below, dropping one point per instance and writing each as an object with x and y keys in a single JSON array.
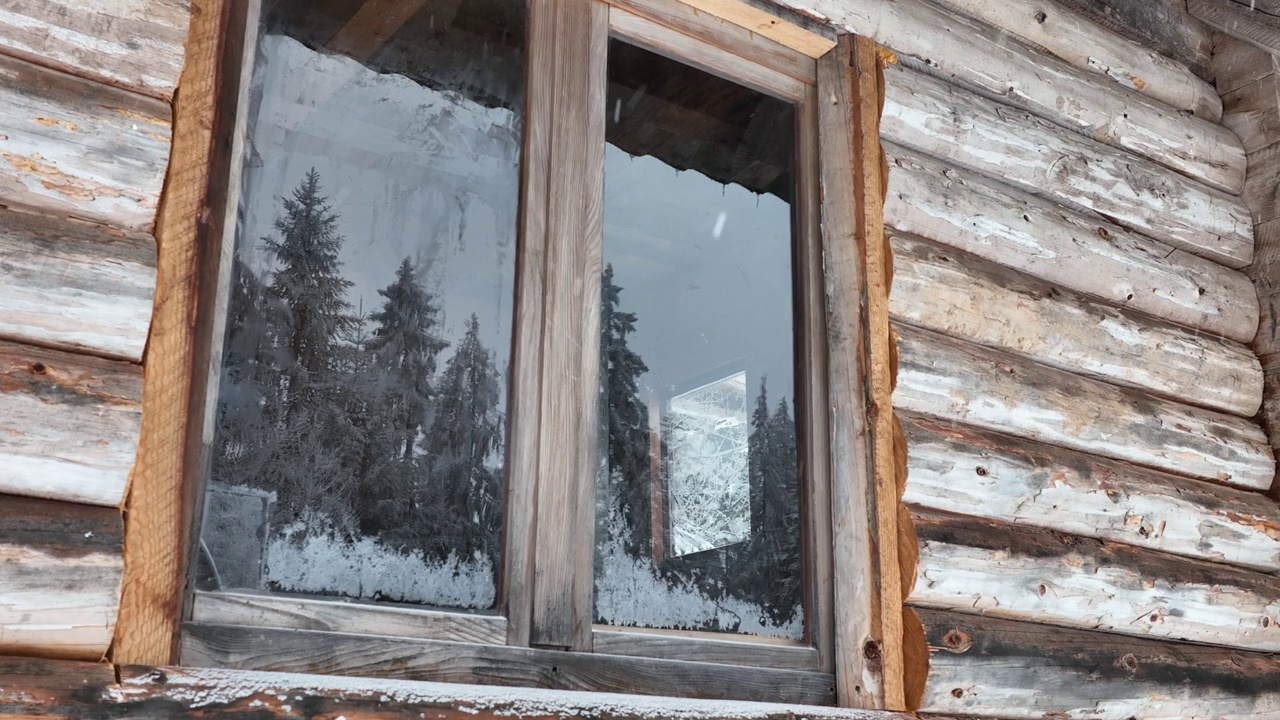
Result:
[
  {"x": 698, "y": 484},
  {"x": 360, "y": 419},
  {"x": 709, "y": 494}
]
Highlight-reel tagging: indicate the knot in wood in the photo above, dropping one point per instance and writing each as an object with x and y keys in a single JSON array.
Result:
[
  {"x": 38, "y": 368},
  {"x": 1128, "y": 662},
  {"x": 871, "y": 650},
  {"x": 957, "y": 641}
]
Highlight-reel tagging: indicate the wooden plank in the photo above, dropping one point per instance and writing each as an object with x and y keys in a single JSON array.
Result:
[
  {"x": 704, "y": 647},
  {"x": 949, "y": 123},
  {"x": 75, "y": 287},
  {"x": 187, "y": 692},
  {"x": 68, "y": 424},
  {"x": 1093, "y": 47},
  {"x": 1074, "y": 250},
  {"x": 277, "y": 611},
  {"x": 691, "y": 50},
  {"x": 60, "y": 567},
  {"x": 978, "y": 566},
  {"x": 959, "y": 469},
  {"x": 134, "y": 44},
  {"x": 724, "y": 35},
  {"x": 1261, "y": 190},
  {"x": 161, "y": 487},
  {"x": 1252, "y": 112},
  {"x": 53, "y": 689},
  {"x": 990, "y": 667},
  {"x": 1162, "y": 25},
  {"x": 373, "y": 24},
  {"x": 989, "y": 62},
  {"x": 388, "y": 658},
  {"x": 953, "y": 380},
  {"x": 76, "y": 147},
  {"x": 758, "y": 19},
  {"x": 960, "y": 295},
  {"x": 1237, "y": 63},
  {"x": 564, "y": 550},
  {"x": 859, "y": 682},
  {"x": 1259, "y": 29}
]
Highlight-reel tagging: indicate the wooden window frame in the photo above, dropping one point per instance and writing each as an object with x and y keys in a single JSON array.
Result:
[{"x": 544, "y": 635}]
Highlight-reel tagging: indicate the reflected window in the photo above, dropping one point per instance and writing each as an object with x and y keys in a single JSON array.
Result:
[
  {"x": 359, "y": 440},
  {"x": 698, "y": 517}
]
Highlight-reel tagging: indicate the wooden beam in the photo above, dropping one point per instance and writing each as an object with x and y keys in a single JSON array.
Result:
[
  {"x": 955, "y": 380},
  {"x": 709, "y": 647},
  {"x": 60, "y": 567},
  {"x": 69, "y": 424},
  {"x": 54, "y": 689},
  {"x": 1067, "y": 248},
  {"x": 767, "y": 24},
  {"x": 374, "y": 24},
  {"x": 1165, "y": 26},
  {"x": 1260, "y": 29},
  {"x": 949, "y": 123}
]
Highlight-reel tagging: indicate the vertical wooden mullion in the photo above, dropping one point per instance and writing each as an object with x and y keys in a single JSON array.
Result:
[
  {"x": 565, "y": 501},
  {"x": 525, "y": 392}
]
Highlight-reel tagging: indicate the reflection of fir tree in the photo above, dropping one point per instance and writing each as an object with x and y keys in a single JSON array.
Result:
[
  {"x": 466, "y": 434},
  {"x": 624, "y": 422}
]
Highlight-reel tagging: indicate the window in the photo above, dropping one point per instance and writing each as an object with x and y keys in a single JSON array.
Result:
[{"x": 522, "y": 355}]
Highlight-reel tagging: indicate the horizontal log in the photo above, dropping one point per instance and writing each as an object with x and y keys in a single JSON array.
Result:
[
  {"x": 60, "y": 571},
  {"x": 990, "y": 62},
  {"x": 954, "y": 380},
  {"x": 962, "y": 128},
  {"x": 394, "y": 658},
  {"x": 136, "y": 44},
  {"x": 1079, "y": 251},
  {"x": 1162, "y": 25},
  {"x": 972, "y": 565},
  {"x": 76, "y": 147},
  {"x": 55, "y": 689},
  {"x": 68, "y": 424},
  {"x": 951, "y": 292},
  {"x": 75, "y": 287},
  {"x": 955, "y": 468},
  {"x": 265, "y": 610},
  {"x": 189, "y": 691},
  {"x": 1090, "y": 46},
  {"x": 983, "y": 666}
]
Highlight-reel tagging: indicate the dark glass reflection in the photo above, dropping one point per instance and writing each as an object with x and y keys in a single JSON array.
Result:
[
  {"x": 358, "y": 449},
  {"x": 698, "y": 518}
]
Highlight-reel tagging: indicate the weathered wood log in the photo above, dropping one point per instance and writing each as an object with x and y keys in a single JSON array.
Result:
[
  {"x": 955, "y": 468},
  {"x": 1252, "y": 112},
  {"x": 60, "y": 570},
  {"x": 184, "y": 692},
  {"x": 136, "y": 44},
  {"x": 960, "y": 127},
  {"x": 394, "y": 658},
  {"x": 76, "y": 147},
  {"x": 963, "y": 296},
  {"x": 954, "y": 380},
  {"x": 990, "y": 667},
  {"x": 1237, "y": 63},
  {"x": 993, "y": 64},
  {"x": 1162, "y": 25},
  {"x": 55, "y": 689},
  {"x": 1261, "y": 29},
  {"x": 1090, "y": 46},
  {"x": 957, "y": 207},
  {"x": 73, "y": 286},
  {"x": 68, "y": 424},
  {"x": 978, "y": 566}
]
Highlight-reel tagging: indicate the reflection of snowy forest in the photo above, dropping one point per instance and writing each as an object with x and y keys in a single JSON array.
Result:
[{"x": 375, "y": 437}]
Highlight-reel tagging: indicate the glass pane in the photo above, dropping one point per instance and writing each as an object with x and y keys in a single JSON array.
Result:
[
  {"x": 359, "y": 443},
  {"x": 698, "y": 517}
]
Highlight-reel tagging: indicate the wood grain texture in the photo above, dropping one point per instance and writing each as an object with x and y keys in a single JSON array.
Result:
[
  {"x": 277, "y": 611},
  {"x": 1074, "y": 250},
  {"x": 1093, "y": 47},
  {"x": 159, "y": 505},
  {"x": 988, "y": 667},
  {"x": 704, "y": 647},
  {"x": 76, "y": 287},
  {"x": 953, "y": 380},
  {"x": 54, "y": 689},
  {"x": 75, "y": 147},
  {"x": 69, "y": 424},
  {"x": 1165, "y": 26},
  {"x": 960, "y": 295},
  {"x": 60, "y": 568},
  {"x": 1257, "y": 28},
  {"x": 758, "y": 20},
  {"x": 990, "y": 62},
  {"x": 962, "y": 128},
  {"x": 859, "y": 682},
  {"x": 373, "y": 24},
  {"x": 1261, "y": 189},
  {"x": 135, "y": 44},
  {"x": 959, "y": 469},
  {"x": 1237, "y": 63},
  {"x": 369, "y": 656},
  {"x": 1020, "y": 573},
  {"x": 1252, "y": 112}
]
